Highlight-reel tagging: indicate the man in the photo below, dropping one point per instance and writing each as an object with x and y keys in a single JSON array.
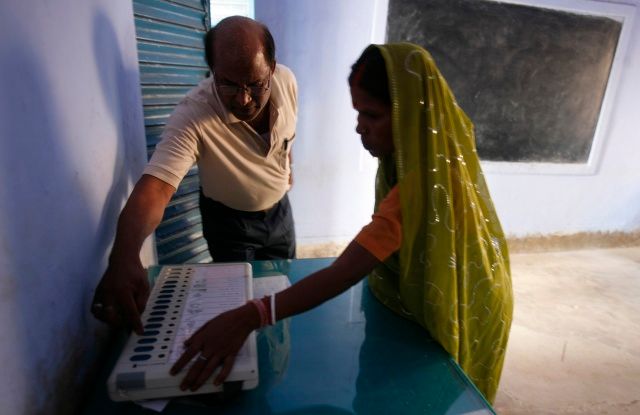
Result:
[{"x": 238, "y": 126}]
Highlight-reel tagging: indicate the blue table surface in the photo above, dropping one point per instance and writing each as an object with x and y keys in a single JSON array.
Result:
[{"x": 351, "y": 355}]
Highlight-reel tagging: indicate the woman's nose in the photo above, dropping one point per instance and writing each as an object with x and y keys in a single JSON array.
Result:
[{"x": 359, "y": 129}]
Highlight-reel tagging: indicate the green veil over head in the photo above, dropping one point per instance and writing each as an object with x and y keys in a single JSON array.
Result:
[{"x": 451, "y": 274}]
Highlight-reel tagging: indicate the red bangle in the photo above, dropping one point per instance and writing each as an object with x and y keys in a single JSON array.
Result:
[
  {"x": 266, "y": 310},
  {"x": 267, "y": 307},
  {"x": 262, "y": 311}
]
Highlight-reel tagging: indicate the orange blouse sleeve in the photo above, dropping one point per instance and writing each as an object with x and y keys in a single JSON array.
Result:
[{"x": 383, "y": 235}]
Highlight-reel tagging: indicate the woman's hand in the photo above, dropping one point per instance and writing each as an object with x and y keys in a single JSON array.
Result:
[{"x": 217, "y": 343}]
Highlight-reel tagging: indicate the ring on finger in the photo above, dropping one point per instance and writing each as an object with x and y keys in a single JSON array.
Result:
[{"x": 101, "y": 308}]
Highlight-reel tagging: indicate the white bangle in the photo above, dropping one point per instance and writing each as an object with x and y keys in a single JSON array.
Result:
[{"x": 273, "y": 309}]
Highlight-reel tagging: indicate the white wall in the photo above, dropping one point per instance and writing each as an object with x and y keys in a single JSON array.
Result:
[
  {"x": 71, "y": 144},
  {"x": 332, "y": 196},
  {"x": 333, "y": 193}
]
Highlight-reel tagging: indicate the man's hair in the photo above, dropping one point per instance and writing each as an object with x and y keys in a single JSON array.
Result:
[
  {"x": 268, "y": 45},
  {"x": 369, "y": 73}
]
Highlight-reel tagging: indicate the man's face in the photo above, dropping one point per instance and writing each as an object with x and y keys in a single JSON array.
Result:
[{"x": 244, "y": 86}]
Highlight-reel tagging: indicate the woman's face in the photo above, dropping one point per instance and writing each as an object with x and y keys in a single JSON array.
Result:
[{"x": 374, "y": 122}]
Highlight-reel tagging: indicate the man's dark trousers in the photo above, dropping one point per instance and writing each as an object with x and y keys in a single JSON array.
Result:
[{"x": 236, "y": 235}]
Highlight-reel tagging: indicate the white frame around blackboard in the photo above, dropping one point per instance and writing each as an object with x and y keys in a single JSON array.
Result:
[{"x": 622, "y": 13}]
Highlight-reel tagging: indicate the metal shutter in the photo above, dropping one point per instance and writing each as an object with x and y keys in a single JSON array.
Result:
[{"x": 171, "y": 58}]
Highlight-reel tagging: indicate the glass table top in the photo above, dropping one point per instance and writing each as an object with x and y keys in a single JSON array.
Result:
[{"x": 351, "y": 355}]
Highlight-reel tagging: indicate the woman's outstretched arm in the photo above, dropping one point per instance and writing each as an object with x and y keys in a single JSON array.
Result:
[
  {"x": 347, "y": 270},
  {"x": 220, "y": 339}
]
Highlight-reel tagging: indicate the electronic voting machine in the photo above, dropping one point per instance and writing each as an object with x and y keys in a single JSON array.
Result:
[{"x": 183, "y": 299}]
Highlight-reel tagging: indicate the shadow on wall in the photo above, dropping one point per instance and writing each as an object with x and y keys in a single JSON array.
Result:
[
  {"x": 42, "y": 203},
  {"x": 121, "y": 90},
  {"x": 54, "y": 236}
]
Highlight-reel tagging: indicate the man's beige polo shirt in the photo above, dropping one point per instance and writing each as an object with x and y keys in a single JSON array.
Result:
[{"x": 236, "y": 166}]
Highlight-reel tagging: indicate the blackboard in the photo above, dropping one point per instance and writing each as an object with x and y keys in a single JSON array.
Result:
[{"x": 531, "y": 79}]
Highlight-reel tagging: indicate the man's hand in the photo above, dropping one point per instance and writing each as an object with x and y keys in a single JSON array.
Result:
[
  {"x": 123, "y": 291},
  {"x": 121, "y": 295},
  {"x": 216, "y": 343}
]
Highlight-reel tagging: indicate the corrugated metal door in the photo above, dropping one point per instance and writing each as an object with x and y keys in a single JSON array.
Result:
[{"x": 171, "y": 57}]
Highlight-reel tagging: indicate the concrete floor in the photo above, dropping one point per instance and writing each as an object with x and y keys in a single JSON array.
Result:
[{"x": 575, "y": 339}]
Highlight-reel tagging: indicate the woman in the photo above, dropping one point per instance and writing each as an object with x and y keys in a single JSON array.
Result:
[{"x": 435, "y": 251}]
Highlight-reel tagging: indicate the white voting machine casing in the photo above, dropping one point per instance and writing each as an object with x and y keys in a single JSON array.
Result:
[{"x": 183, "y": 298}]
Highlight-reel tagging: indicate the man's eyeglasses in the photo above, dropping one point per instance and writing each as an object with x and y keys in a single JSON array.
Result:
[{"x": 257, "y": 90}]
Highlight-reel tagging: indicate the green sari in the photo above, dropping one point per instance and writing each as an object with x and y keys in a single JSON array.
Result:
[{"x": 451, "y": 274}]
